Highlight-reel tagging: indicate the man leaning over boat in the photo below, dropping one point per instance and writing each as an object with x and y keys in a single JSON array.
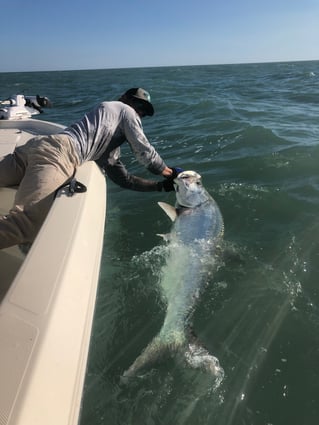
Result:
[{"x": 46, "y": 163}]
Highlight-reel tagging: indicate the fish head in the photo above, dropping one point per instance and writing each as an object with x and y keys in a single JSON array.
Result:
[{"x": 189, "y": 190}]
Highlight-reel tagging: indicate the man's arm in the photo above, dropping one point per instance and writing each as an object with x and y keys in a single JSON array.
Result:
[
  {"x": 119, "y": 175},
  {"x": 144, "y": 152}
]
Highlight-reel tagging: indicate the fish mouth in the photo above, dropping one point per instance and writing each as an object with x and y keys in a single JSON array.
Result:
[
  {"x": 190, "y": 180},
  {"x": 189, "y": 189},
  {"x": 186, "y": 178},
  {"x": 188, "y": 175}
]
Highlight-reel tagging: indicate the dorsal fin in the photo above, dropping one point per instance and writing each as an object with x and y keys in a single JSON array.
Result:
[{"x": 169, "y": 209}]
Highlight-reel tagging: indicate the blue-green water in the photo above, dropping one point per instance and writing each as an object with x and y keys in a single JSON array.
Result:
[{"x": 252, "y": 132}]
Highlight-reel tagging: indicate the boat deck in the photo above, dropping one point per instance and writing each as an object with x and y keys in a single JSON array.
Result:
[
  {"x": 17, "y": 133},
  {"x": 9, "y": 138},
  {"x": 12, "y": 134},
  {"x": 47, "y": 297},
  {"x": 10, "y": 258}
]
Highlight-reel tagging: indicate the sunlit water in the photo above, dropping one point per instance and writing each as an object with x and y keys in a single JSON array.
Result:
[{"x": 251, "y": 131}]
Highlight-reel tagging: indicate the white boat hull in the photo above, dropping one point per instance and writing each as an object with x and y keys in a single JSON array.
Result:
[{"x": 47, "y": 309}]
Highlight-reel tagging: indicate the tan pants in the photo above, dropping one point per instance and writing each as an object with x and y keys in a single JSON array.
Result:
[{"x": 39, "y": 167}]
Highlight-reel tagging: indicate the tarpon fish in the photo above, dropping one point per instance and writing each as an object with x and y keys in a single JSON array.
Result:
[{"x": 196, "y": 233}]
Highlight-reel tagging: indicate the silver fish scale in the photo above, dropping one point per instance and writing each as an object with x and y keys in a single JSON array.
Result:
[{"x": 203, "y": 223}]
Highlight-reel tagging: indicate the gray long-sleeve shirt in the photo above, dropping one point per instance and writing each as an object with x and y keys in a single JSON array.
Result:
[{"x": 99, "y": 134}]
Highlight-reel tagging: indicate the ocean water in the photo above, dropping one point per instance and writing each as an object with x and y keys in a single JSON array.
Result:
[{"x": 252, "y": 132}]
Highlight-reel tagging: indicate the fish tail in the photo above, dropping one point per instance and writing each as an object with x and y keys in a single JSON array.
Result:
[
  {"x": 158, "y": 348},
  {"x": 198, "y": 357},
  {"x": 195, "y": 355}
]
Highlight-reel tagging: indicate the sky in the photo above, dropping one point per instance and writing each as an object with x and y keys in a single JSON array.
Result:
[{"x": 40, "y": 35}]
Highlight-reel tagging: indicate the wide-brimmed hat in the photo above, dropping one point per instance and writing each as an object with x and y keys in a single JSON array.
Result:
[{"x": 143, "y": 96}]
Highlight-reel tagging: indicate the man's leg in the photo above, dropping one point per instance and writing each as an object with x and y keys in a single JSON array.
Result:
[
  {"x": 11, "y": 170},
  {"x": 49, "y": 166}
]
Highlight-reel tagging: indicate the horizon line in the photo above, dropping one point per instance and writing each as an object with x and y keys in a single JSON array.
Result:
[{"x": 163, "y": 66}]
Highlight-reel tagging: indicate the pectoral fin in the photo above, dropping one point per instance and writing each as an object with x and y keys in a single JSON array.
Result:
[
  {"x": 169, "y": 209},
  {"x": 166, "y": 237}
]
